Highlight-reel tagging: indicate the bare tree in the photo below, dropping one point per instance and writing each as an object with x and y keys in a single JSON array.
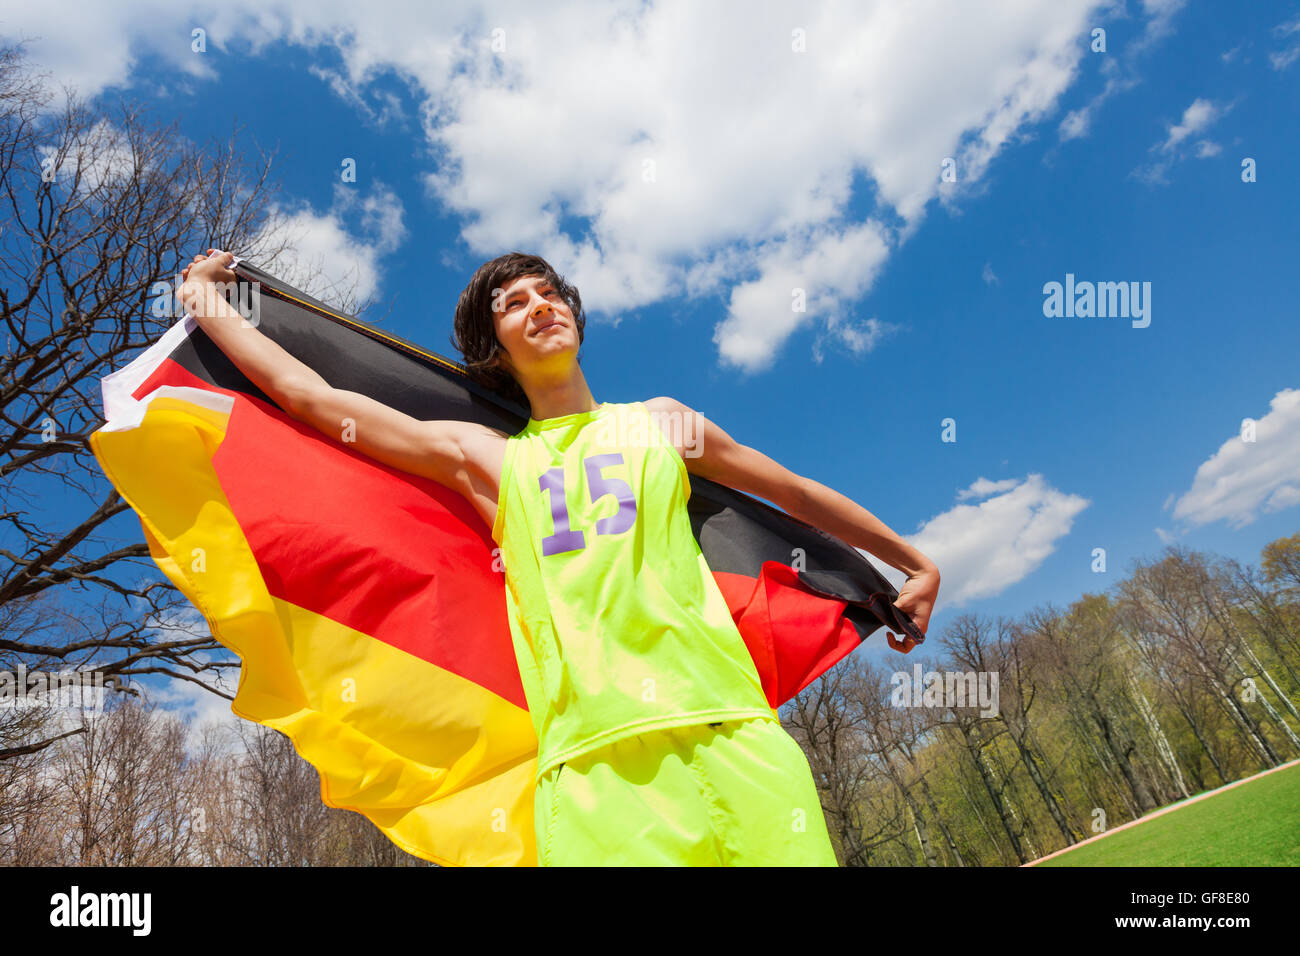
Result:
[
  {"x": 825, "y": 721},
  {"x": 1271, "y": 606},
  {"x": 915, "y": 735},
  {"x": 1088, "y": 668},
  {"x": 100, "y": 210},
  {"x": 1167, "y": 599},
  {"x": 887, "y": 732},
  {"x": 1012, "y": 655}
]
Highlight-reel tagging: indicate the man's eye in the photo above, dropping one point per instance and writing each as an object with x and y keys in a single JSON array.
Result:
[{"x": 515, "y": 303}]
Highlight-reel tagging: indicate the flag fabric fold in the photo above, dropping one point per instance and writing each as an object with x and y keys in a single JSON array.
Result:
[{"x": 367, "y": 605}]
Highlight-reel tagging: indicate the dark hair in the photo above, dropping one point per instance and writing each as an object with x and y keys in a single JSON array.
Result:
[{"x": 474, "y": 333}]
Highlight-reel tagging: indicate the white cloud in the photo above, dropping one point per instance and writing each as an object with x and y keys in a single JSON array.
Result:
[
  {"x": 982, "y": 549},
  {"x": 199, "y": 708},
  {"x": 381, "y": 218},
  {"x": 1161, "y": 13},
  {"x": 1119, "y": 67},
  {"x": 988, "y": 275},
  {"x": 857, "y": 337},
  {"x": 1075, "y": 123},
  {"x": 1283, "y": 58},
  {"x": 99, "y": 45},
  {"x": 538, "y": 112},
  {"x": 983, "y": 487},
  {"x": 1244, "y": 479},
  {"x": 1196, "y": 117},
  {"x": 326, "y": 254},
  {"x": 829, "y": 267},
  {"x": 390, "y": 106}
]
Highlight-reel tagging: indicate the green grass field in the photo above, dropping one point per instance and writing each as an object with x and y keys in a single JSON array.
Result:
[{"x": 1255, "y": 824}]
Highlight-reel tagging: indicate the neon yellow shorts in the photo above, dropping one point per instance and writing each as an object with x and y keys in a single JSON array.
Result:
[{"x": 738, "y": 793}]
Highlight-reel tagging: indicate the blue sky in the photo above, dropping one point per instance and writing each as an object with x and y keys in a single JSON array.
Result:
[{"x": 819, "y": 168}]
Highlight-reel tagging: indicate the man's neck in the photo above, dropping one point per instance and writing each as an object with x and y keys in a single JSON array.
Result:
[{"x": 566, "y": 397}]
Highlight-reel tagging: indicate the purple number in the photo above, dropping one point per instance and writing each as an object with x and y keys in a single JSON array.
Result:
[
  {"x": 600, "y": 486},
  {"x": 564, "y": 539}
]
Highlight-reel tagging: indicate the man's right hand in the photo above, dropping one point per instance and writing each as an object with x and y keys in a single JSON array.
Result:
[
  {"x": 198, "y": 277},
  {"x": 213, "y": 267}
]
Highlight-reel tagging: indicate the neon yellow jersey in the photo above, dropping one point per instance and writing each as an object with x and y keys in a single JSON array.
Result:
[{"x": 618, "y": 625}]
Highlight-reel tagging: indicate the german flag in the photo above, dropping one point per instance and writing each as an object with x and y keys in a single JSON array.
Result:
[{"x": 367, "y": 605}]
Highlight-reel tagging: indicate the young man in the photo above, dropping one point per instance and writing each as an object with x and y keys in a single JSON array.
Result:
[{"x": 656, "y": 744}]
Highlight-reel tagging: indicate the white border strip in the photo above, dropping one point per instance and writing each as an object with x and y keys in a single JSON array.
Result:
[{"x": 123, "y": 412}]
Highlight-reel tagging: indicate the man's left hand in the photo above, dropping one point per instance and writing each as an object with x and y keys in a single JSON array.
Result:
[{"x": 916, "y": 599}]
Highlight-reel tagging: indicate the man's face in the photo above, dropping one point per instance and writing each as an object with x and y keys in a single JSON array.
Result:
[{"x": 534, "y": 325}]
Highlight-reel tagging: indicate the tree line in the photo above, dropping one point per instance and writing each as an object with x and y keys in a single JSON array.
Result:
[{"x": 1182, "y": 677}]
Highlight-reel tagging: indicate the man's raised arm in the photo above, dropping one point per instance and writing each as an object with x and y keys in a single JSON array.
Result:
[{"x": 433, "y": 449}]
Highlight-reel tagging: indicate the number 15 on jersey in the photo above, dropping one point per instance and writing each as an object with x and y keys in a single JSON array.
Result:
[{"x": 570, "y": 539}]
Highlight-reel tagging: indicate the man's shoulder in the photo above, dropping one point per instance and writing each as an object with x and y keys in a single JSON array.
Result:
[
  {"x": 663, "y": 404},
  {"x": 679, "y": 423}
]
